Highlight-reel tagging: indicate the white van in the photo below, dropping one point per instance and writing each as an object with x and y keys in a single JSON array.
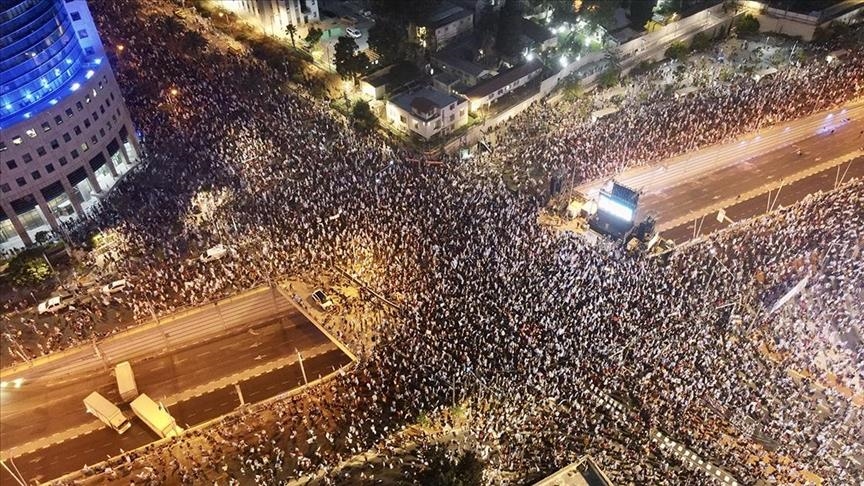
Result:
[
  {"x": 107, "y": 412},
  {"x": 126, "y": 381}
]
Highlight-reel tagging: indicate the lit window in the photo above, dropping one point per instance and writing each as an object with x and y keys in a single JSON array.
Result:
[
  {"x": 31, "y": 133},
  {"x": 17, "y": 141},
  {"x": 46, "y": 126},
  {"x": 84, "y": 146}
]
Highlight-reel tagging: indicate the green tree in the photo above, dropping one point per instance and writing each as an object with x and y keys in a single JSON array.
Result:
[
  {"x": 509, "y": 38},
  {"x": 443, "y": 471},
  {"x": 640, "y": 12},
  {"x": 313, "y": 36},
  {"x": 700, "y": 42},
  {"x": 677, "y": 50},
  {"x": 600, "y": 12},
  {"x": 169, "y": 25},
  {"x": 363, "y": 115},
  {"x": 609, "y": 77},
  {"x": 42, "y": 237},
  {"x": 291, "y": 31},
  {"x": 28, "y": 268},
  {"x": 746, "y": 24},
  {"x": 194, "y": 41},
  {"x": 349, "y": 64},
  {"x": 386, "y": 39}
]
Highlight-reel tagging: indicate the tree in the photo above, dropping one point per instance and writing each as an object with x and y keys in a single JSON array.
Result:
[
  {"x": 509, "y": 39},
  {"x": 313, "y": 36},
  {"x": 363, "y": 115},
  {"x": 641, "y": 12},
  {"x": 291, "y": 31},
  {"x": 609, "y": 77},
  {"x": 42, "y": 237},
  {"x": 28, "y": 268},
  {"x": 444, "y": 471},
  {"x": 600, "y": 12},
  {"x": 747, "y": 24},
  {"x": 349, "y": 64},
  {"x": 677, "y": 50},
  {"x": 700, "y": 42},
  {"x": 194, "y": 41},
  {"x": 386, "y": 39}
]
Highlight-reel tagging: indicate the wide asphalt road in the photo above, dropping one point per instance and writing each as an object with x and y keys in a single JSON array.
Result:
[
  {"x": 41, "y": 408},
  {"x": 788, "y": 195},
  {"x": 691, "y": 197},
  {"x": 94, "y": 447}
]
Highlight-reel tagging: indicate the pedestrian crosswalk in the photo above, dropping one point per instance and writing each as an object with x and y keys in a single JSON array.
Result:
[{"x": 692, "y": 460}]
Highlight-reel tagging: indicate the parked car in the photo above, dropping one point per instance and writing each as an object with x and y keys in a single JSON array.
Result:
[
  {"x": 53, "y": 305},
  {"x": 214, "y": 253},
  {"x": 353, "y": 33},
  {"x": 115, "y": 286},
  {"x": 323, "y": 300}
]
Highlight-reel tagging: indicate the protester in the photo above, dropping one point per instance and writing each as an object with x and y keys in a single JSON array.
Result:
[{"x": 558, "y": 348}]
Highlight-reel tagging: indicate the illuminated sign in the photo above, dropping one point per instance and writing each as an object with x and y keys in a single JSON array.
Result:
[{"x": 615, "y": 208}]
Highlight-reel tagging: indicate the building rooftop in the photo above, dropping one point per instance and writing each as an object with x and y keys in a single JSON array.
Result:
[
  {"x": 393, "y": 76},
  {"x": 536, "y": 32},
  {"x": 488, "y": 87},
  {"x": 445, "y": 78},
  {"x": 584, "y": 472},
  {"x": 423, "y": 100},
  {"x": 447, "y": 13}
]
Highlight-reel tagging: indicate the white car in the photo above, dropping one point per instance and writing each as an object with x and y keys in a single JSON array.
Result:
[
  {"x": 323, "y": 300},
  {"x": 115, "y": 286},
  {"x": 52, "y": 305},
  {"x": 353, "y": 33},
  {"x": 213, "y": 254}
]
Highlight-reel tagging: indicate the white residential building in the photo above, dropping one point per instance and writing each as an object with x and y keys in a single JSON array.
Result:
[
  {"x": 427, "y": 112},
  {"x": 275, "y": 15}
]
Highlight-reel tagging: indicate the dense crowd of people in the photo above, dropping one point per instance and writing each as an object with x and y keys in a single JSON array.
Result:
[
  {"x": 556, "y": 139},
  {"x": 536, "y": 332}
]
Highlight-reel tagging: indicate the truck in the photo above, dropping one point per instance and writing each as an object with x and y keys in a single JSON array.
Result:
[
  {"x": 155, "y": 416},
  {"x": 126, "y": 381},
  {"x": 107, "y": 412}
]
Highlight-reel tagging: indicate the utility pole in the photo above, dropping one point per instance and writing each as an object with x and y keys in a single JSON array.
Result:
[
  {"x": 302, "y": 369},
  {"x": 99, "y": 354}
]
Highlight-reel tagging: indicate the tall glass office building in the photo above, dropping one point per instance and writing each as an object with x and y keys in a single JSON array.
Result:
[{"x": 65, "y": 133}]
